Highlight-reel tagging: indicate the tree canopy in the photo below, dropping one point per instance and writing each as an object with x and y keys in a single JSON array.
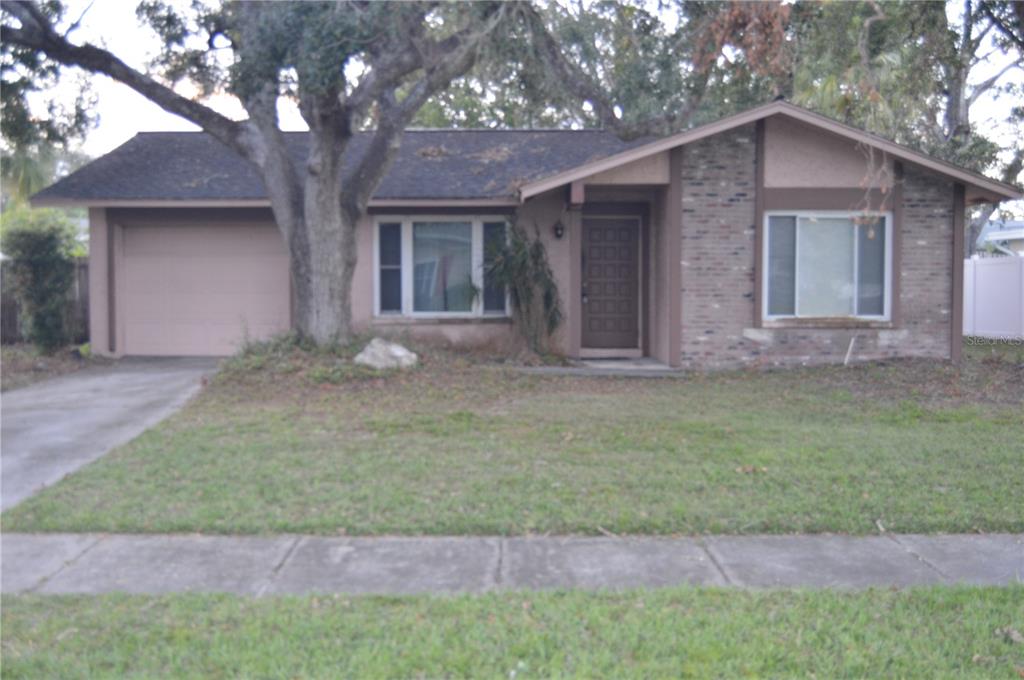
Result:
[
  {"x": 902, "y": 70},
  {"x": 356, "y": 64}
]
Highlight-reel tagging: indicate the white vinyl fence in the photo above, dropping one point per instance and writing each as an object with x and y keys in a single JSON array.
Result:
[{"x": 994, "y": 297}]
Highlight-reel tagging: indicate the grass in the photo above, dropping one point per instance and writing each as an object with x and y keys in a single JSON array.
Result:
[
  {"x": 287, "y": 439},
  {"x": 925, "y": 633}
]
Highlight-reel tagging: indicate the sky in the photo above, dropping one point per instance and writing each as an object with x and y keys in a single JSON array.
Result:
[{"x": 122, "y": 113}]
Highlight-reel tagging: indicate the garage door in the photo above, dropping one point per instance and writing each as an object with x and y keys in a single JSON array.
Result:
[{"x": 202, "y": 289}]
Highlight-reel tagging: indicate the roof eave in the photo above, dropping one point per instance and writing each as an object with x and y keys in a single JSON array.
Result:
[
  {"x": 1005, "y": 235},
  {"x": 57, "y": 202},
  {"x": 990, "y": 190}
]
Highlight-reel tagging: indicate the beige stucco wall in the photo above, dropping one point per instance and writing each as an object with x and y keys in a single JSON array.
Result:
[
  {"x": 800, "y": 156},
  {"x": 660, "y": 260},
  {"x": 99, "y": 336},
  {"x": 649, "y": 170},
  {"x": 542, "y": 212}
]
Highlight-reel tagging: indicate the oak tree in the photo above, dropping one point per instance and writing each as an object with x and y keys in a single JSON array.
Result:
[{"x": 366, "y": 66}]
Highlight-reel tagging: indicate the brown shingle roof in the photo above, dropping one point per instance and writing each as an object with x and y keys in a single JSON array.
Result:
[{"x": 432, "y": 164}]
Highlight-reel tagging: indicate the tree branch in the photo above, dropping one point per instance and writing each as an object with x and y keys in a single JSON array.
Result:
[
  {"x": 585, "y": 88},
  {"x": 387, "y": 66},
  {"x": 270, "y": 151},
  {"x": 986, "y": 85},
  {"x": 37, "y": 33},
  {"x": 569, "y": 75},
  {"x": 1003, "y": 27},
  {"x": 864, "y": 38},
  {"x": 966, "y": 47},
  {"x": 976, "y": 42},
  {"x": 442, "y": 61},
  {"x": 78, "y": 22}
]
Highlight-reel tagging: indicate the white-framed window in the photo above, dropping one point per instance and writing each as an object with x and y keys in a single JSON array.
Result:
[
  {"x": 436, "y": 266},
  {"x": 827, "y": 264}
]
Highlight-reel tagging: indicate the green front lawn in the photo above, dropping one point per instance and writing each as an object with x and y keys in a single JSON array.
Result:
[
  {"x": 927, "y": 633},
  {"x": 286, "y": 440}
]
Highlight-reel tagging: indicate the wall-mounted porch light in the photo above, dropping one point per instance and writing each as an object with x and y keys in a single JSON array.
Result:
[{"x": 559, "y": 229}]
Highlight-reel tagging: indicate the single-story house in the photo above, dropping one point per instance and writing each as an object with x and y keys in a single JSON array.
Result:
[
  {"x": 775, "y": 235},
  {"x": 1006, "y": 236}
]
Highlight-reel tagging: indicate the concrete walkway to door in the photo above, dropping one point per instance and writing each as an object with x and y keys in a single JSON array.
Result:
[
  {"x": 52, "y": 428},
  {"x": 272, "y": 565}
]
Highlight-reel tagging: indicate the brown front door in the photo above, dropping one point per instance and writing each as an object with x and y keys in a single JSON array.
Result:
[{"x": 611, "y": 276}]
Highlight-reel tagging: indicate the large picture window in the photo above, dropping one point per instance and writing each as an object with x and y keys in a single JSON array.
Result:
[
  {"x": 827, "y": 265},
  {"x": 437, "y": 266},
  {"x": 443, "y": 274}
]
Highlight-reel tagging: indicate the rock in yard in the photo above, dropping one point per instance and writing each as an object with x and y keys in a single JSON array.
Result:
[{"x": 381, "y": 354}]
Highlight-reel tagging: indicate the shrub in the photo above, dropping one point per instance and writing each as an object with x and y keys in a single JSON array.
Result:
[
  {"x": 522, "y": 267},
  {"x": 40, "y": 244}
]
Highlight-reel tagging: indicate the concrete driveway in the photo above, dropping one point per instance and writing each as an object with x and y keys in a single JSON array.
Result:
[{"x": 53, "y": 428}]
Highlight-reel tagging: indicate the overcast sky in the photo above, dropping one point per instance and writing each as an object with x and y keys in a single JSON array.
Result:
[{"x": 122, "y": 112}]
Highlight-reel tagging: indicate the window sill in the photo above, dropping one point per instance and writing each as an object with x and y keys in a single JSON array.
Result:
[
  {"x": 398, "y": 320},
  {"x": 842, "y": 322}
]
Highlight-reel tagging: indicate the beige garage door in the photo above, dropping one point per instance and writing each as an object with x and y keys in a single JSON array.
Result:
[{"x": 202, "y": 289}]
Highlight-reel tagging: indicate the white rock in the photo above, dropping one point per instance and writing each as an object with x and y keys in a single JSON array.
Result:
[{"x": 381, "y": 354}]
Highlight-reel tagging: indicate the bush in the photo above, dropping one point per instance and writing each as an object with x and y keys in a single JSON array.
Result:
[
  {"x": 40, "y": 244},
  {"x": 522, "y": 267}
]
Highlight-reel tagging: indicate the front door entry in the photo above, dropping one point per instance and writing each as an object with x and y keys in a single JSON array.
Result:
[{"x": 611, "y": 278}]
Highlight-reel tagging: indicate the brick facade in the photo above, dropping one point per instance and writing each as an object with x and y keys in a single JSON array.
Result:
[
  {"x": 719, "y": 186},
  {"x": 718, "y": 251},
  {"x": 926, "y": 272}
]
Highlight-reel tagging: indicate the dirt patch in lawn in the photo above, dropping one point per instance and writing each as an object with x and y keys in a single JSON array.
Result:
[
  {"x": 22, "y": 365},
  {"x": 991, "y": 373}
]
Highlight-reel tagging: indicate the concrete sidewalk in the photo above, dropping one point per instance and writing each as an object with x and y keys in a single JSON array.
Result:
[{"x": 254, "y": 565}]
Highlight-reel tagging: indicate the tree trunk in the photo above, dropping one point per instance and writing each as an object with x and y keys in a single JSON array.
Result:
[
  {"x": 974, "y": 228},
  {"x": 323, "y": 260}
]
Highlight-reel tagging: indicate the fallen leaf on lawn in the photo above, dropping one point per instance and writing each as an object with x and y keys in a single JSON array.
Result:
[
  {"x": 64, "y": 634},
  {"x": 1011, "y": 635}
]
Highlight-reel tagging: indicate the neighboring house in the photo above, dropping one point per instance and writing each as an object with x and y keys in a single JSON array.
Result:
[
  {"x": 775, "y": 235},
  {"x": 1005, "y": 236}
]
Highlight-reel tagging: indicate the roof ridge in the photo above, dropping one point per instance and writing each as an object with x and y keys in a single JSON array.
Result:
[
  {"x": 545, "y": 129},
  {"x": 414, "y": 129}
]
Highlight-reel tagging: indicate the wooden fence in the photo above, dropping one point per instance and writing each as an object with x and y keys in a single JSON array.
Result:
[
  {"x": 78, "y": 305},
  {"x": 994, "y": 297}
]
